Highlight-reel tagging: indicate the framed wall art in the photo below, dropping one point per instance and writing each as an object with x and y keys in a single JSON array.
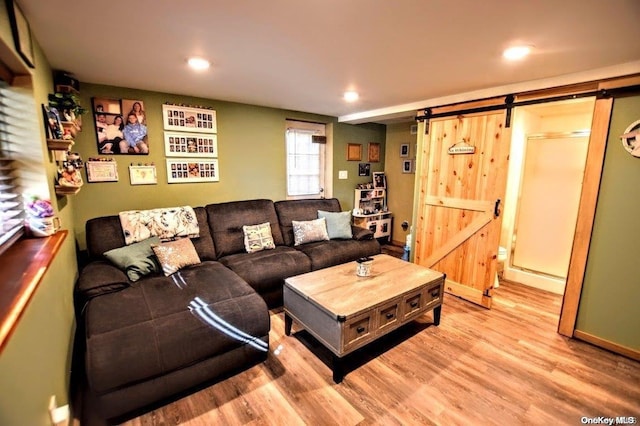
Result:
[
  {"x": 189, "y": 119},
  {"x": 101, "y": 171},
  {"x": 190, "y": 170},
  {"x": 404, "y": 150},
  {"x": 121, "y": 126},
  {"x": 374, "y": 152},
  {"x": 181, "y": 144},
  {"x": 143, "y": 175},
  {"x": 21, "y": 33},
  {"x": 379, "y": 180},
  {"x": 408, "y": 166},
  {"x": 354, "y": 152},
  {"x": 364, "y": 169}
]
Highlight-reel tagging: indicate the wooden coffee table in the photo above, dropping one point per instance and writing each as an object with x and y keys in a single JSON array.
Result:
[{"x": 345, "y": 312}]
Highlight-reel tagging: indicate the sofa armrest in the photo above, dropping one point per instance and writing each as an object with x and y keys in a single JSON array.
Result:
[
  {"x": 100, "y": 277},
  {"x": 360, "y": 233}
]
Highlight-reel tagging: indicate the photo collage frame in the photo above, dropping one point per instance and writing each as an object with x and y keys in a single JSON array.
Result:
[{"x": 190, "y": 132}]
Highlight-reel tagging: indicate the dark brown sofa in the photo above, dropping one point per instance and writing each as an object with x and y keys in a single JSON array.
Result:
[{"x": 144, "y": 344}]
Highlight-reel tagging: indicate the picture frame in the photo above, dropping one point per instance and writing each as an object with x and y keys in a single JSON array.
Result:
[
  {"x": 53, "y": 124},
  {"x": 112, "y": 125},
  {"x": 21, "y": 33},
  {"x": 101, "y": 171},
  {"x": 192, "y": 170},
  {"x": 408, "y": 166},
  {"x": 182, "y": 144},
  {"x": 404, "y": 150},
  {"x": 143, "y": 175},
  {"x": 414, "y": 129},
  {"x": 379, "y": 180},
  {"x": 374, "y": 152},
  {"x": 189, "y": 119},
  {"x": 364, "y": 169},
  {"x": 354, "y": 152}
]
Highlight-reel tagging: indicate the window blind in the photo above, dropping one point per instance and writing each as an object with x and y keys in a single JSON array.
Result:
[{"x": 11, "y": 205}]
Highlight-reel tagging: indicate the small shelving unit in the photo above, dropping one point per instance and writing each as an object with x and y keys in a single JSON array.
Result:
[
  {"x": 371, "y": 212},
  {"x": 59, "y": 144}
]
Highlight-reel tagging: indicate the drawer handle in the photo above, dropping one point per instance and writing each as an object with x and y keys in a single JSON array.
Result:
[
  {"x": 360, "y": 329},
  {"x": 435, "y": 293},
  {"x": 414, "y": 304},
  {"x": 389, "y": 315}
]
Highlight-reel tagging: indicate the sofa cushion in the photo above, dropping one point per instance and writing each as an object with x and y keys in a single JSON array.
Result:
[
  {"x": 175, "y": 255},
  {"x": 329, "y": 253},
  {"x": 105, "y": 233},
  {"x": 147, "y": 330},
  {"x": 100, "y": 277},
  {"x": 308, "y": 231},
  {"x": 266, "y": 270},
  {"x": 290, "y": 210},
  {"x": 338, "y": 224},
  {"x": 258, "y": 237},
  {"x": 137, "y": 259},
  {"x": 227, "y": 219}
]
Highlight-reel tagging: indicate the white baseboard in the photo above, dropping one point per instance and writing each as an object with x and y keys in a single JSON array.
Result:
[{"x": 553, "y": 285}]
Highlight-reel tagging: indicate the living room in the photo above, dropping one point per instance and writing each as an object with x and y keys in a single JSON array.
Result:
[{"x": 36, "y": 359}]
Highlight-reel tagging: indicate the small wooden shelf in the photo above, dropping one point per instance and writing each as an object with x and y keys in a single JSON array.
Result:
[
  {"x": 59, "y": 144},
  {"x": 67, "y": 190}
]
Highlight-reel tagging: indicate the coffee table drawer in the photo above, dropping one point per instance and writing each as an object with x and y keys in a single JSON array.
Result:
[
  {"x": 388, "y": 316},
  {"x": 433, "y": 295},
  {"x": 412, "y": 304},
  {"x": 357, "y": 331}
]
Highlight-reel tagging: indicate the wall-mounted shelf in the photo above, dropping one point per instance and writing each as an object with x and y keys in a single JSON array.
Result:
[
  {"x": 59, "y": 144},
  {"x": 67, "y": 190}
]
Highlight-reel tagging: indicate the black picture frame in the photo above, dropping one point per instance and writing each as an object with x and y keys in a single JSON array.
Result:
[
  {"x": 21, "y": 33},
  {"x": 364, "y": 169}
]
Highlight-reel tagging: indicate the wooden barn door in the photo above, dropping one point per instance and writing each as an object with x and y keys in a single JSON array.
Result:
[{"x": 460, "y": 197}]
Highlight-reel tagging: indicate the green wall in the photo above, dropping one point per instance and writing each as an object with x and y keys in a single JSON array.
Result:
[
  {"x": 251, "y": 152},
  {"x": 611, "y": 292},
  {"x": 400, "y": 185},
  {"x": 36, "y": 361}
]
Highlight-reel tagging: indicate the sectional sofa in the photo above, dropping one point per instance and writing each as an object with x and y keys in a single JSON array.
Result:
[{"x": 174, "y": 330}]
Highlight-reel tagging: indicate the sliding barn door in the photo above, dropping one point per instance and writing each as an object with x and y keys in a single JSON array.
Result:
[{"x": 460, "y": 197}]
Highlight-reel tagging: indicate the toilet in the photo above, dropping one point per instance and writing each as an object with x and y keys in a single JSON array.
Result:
[{"x": 502, "y": 257}]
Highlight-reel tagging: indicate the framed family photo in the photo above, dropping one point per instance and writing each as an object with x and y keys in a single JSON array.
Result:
[
  {"x": 189, "y": 119},
  {"x": 379, "y": 180},
  {"x": 408, "y": 166},
  {"x": 120, "y": 126},
  {"x": 404, "y": 150},
  {"x": 364, "y": 169},
  {"x": 182, "y": 144},
  {"x": 190, "y": 170}
]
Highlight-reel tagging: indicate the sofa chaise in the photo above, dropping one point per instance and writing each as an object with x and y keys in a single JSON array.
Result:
[{"x": 166, "y": 333}]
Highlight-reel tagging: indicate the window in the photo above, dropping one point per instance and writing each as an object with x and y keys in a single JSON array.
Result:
[
  {"x": 11, "y": 208},
  {"x": 305, "y": 159}
]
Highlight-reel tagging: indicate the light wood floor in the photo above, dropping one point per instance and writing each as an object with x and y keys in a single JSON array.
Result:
[{"x": 503, "y": 366}]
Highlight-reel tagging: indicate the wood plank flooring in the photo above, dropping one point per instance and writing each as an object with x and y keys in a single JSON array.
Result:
[{"x": 501, "y": 366}]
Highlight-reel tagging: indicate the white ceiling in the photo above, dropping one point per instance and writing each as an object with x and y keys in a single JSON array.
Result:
[{"x": 302, "y": 55}]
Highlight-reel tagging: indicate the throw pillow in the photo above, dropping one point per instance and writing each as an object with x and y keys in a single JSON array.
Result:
[
  {"x": 309, "y": 231},
  {"x": 175, "y": 255},
  {"x": 338, "y": 224},
  {"x": 136, "y": 260},
  {"x": 258, "y": 237}
]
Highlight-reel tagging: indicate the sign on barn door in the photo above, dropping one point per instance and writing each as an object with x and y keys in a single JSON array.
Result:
[{"x": 461, "y": 184}]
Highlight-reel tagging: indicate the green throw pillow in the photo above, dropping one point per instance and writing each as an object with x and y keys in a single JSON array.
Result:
[
  {"x": 136, "y": 260},
  {"x": 338, "y": 224}
]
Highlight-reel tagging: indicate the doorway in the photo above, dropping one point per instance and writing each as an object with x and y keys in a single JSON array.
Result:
[{"x": 547, "y": 159}]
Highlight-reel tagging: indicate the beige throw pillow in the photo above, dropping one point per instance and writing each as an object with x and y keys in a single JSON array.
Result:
[
  {"x": 309, "y": 231},
  {"x": 258, "y": 237},
  {"x": 175, "y": 255}
]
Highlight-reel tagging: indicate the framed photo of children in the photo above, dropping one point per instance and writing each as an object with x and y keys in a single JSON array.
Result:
[
  {"x": 181, "y": 144},
  {"x": 189, "y": 119},
  {"x": 190, "y": 170},
  {"x": 121, "y": 126}
]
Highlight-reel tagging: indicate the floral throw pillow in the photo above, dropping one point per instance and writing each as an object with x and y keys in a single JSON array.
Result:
[
  {"x": 258, "y": 237},
  {"x": 309, "y": 231},
  {"x": 175, "y": 255}
]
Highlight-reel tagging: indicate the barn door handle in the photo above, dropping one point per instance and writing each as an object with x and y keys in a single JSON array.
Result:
[{"x": 496, "y": 209}]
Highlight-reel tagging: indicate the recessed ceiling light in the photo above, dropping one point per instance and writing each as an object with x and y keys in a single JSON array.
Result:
[
  {"x": 198, "y": 64},
  {"x": 351, "y": 96},
  {"x": 516, "y": 52}
]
